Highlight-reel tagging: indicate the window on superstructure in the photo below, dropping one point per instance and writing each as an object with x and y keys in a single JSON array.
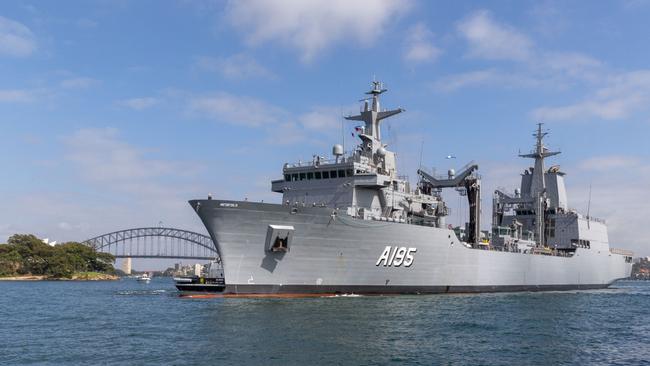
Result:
[
  {"x": 287, "y": 177},
  {"x": 310, "y": 176},
  {"x": 333, "y": 174},
  {"x": 317, "y": 175},
  {"x": 294, "y": 177},
  {"x": 350, "y": 172},
  {"x": 341, "y": 173},
  {"x": 302, "y": 176},
  {"x": 326, "y": 175}
]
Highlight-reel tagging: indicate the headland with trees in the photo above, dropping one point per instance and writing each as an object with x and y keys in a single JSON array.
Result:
[{"x": 27, "y": 257}]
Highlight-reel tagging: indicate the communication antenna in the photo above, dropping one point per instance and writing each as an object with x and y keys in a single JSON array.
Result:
[
  {"x": 589, "y": 207},
  {"x": 342, "y": 128},
  {"x": 421, "y": 150}
]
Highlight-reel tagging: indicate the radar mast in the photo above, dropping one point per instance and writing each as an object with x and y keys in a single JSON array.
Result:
[
  {"x": 371, "y": 116},
  {"x": 538, "y": 185}
]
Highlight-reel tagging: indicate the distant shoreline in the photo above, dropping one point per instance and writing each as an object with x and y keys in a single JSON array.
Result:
[{"x": 82, "y": 276}]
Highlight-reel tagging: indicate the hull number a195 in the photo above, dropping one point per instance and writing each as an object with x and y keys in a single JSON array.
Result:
[{"x": 396, "y": 257}]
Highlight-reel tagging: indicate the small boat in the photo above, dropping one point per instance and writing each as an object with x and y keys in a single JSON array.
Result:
[{"x": 143, "y": 278}]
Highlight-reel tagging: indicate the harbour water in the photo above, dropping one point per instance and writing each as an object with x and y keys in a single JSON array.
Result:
[{"x": 131, "y": 323}]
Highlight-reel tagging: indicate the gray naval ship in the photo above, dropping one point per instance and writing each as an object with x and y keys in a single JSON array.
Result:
[{"x": 351, "y": 224}]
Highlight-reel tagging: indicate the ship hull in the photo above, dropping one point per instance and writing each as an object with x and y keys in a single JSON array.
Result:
[{"x": 331, "y": 253}]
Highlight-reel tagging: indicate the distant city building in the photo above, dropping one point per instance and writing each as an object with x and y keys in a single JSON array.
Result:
[
  {"x": 197, "y": 269},
  {"x": 126, "y": 265}
]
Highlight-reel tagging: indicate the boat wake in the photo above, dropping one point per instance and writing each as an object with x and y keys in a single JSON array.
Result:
[{"x": 141, "y": 292}]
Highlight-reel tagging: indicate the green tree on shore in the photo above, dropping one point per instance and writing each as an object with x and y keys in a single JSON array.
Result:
[{"x": 26, "y": 254}]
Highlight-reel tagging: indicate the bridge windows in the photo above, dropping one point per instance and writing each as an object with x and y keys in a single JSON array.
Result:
[{"x": 330, "y": 174}]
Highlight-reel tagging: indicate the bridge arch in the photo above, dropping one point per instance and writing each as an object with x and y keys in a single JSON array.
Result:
[{"x": 155, "y": 242}]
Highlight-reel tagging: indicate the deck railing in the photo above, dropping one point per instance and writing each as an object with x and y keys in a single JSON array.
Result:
[{"x": 625, "y": 252}]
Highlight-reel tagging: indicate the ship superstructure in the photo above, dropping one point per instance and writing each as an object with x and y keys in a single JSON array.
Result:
[
  {"x": 366, "y": 185},
  {"x": 350, "y": 223},
  {"x": 537, "y": 216}
]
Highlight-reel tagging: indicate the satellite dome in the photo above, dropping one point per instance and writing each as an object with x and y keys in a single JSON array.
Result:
[{"x": 337, "y": 150}]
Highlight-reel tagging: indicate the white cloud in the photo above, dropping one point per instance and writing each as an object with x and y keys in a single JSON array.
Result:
[
  {"x": 621, "y": 96},
  {"x": 529, "y": 66},
  {"x": 313, "y": 26},
  {"x": 15, "y": 38},
  {"x": 66, "y": 226},
  {"x": 125, "y": 184},
  {"x": 419, "y": 45},
  {"x": 549, "y": 17},
  {"x": 109, "y": 184},
  {"x": 610, "y": 163},
  {"x": 574, "y": 64},
  {"x": 287, "y": 133},
  {"x": 491, "y": 40},
  {"x": 86, "y": 23},
  {"x": 455, "y": 82},
  {"x": 279, "y": 124},
  {"x": 102, "y": 157},
  {"x": 321, "y": 119},
  {"x": 79, "y": 83},
  {"x": 237, "y": 110},
  {"x": 14, "y": 96},
  {"x": 238, "y": 66},
  {"x": 139, "y": 103}
]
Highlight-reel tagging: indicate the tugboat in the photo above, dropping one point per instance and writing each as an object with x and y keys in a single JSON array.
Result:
[{"x": 212, "y": 282}]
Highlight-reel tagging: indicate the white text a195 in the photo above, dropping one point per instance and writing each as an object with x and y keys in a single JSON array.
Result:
[{"x": 396, "y": 256}]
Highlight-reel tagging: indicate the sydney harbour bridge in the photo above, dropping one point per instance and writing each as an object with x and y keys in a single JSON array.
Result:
[{"x": 156, "y": 242}]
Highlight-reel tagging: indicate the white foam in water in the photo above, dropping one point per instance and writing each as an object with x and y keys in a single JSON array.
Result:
[
  {"x": 141, "y": 292},
  {"x": 344, "y": 295}
]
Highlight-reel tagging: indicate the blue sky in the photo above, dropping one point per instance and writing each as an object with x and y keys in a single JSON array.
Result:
[{"x": 114, "y": 113}]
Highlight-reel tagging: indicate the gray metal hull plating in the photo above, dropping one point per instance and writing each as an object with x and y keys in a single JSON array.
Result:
[{"x": 339, "y": 254}]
